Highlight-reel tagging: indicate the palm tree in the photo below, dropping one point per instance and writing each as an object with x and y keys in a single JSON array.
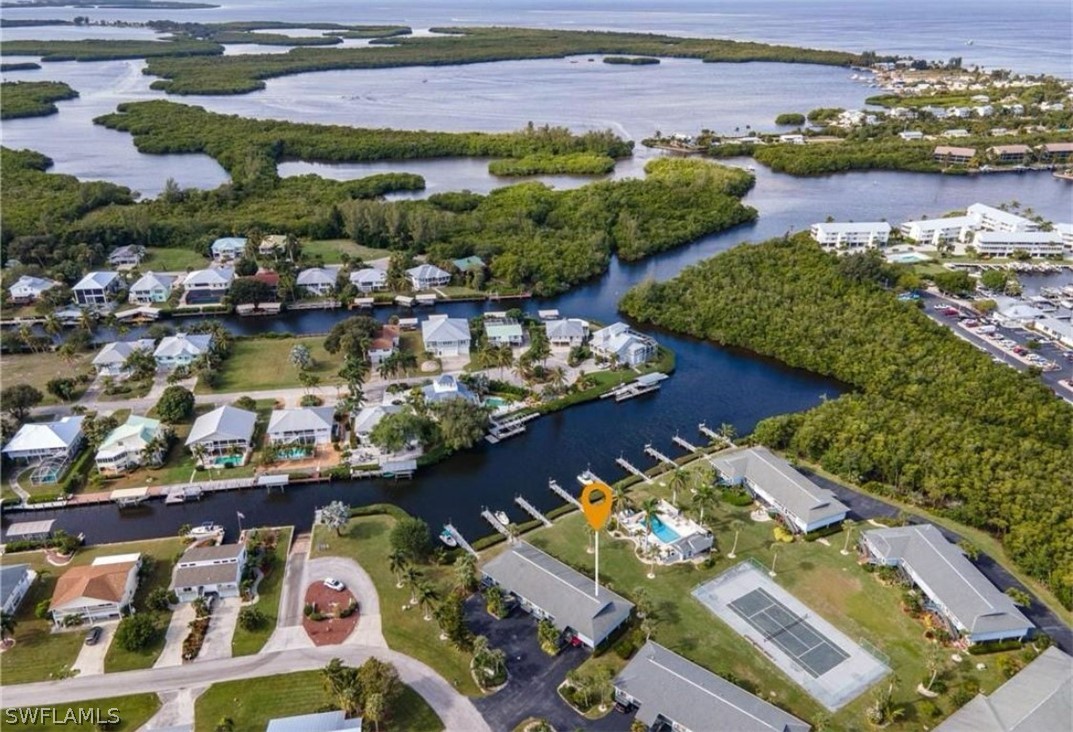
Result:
[
  {"x": 85, "y": 320},
  {"x": 620, "y": 500},
  {"x": 726, "y": 429},
  {"x": 426, "y": 598},
  {"x": 774, "y": 557},
  {"x": 650, "y": 511},
  {"x": 504, "y": 359},
  {"x": 847, "y": 526},
  {"x": 679, "y": 480},
  {"x": 52, "y": 324},
  {"x": 412, "y": 578},
  {"x": 398, "y": 563},
  {"x": 704, "y": 497},
  {"x": 558, "y": 379},
  {"x": 737, "y": 525}
]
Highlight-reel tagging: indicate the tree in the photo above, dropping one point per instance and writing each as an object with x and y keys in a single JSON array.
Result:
[
  {"x": 679, "y": 480},
  {"x": 140, "y": 364},
  {"x": 728, "y": 431},
  {"x": 158, "y": 599},
  {"x": 245, "y": 267},
  {"x": 466, "y": 572},
  {"x": 488, "y": 663},
  {"x": 704, "y": 497},
  {"x": 395, "y": 431},
  {"x": 19, "y": 399},
  {"x": 352, "y": 336},
  {"x": 136, "y": 632},
  {"x": 343, "y": 684},
  {"x": 335, "y": 516},
  {"x": 737, "y": 525},
  {"x": 1019, "y": 596},
  {"x": 882, "y": 710},
  {"x": 650, "y": 514},
  {"x": 301, "y": 357},
  {"x": 426, "y": 598},
  {"x": 248, "y": 291},
  {"x": 251, "y": 619},
  {"x": 7, "y": 625},
  {"x": 411, "y": 538},
  {"x": 96, "y": 428},
  {"x": 374, "y": 709},
  {"x": 175, "y": 404},
  {"x": 462, "y": 423},
  {"x": 62, "y": 388},
  {"x": 354, "y": 372},
  {"x": 379, "y": 677},
  {"x": 493, "y": 598},
  {"x": 450, "y": 616},
  {"x": 397, "y": 563},
  {"x": 412, "y": 579}
]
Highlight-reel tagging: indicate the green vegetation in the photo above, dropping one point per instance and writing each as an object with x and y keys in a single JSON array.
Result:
[
  {"x": 542, "y": 164},
  {"x": 32, "y": 98},
  {"x": 925, "y": 401},
  {"x": 631, "y": 60},
  {"x": 247, "y": 32},
  {"x": 37, "y": 369},
  {"x": 132, "y": 711},
  {"x": 258, "y": 364},
  {"x": 241, "y": 74},
  {"x": 332, "y": 251},
  {"x": 108, "y": 50},
  {"x": 247, "y": 641},
  {"x": 790, "y": 118},
  {"x": 173, "y": 259},
  {"x": 19, "y": 66}
]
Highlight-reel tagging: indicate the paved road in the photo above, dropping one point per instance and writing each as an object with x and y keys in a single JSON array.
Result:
[{"x": 368, "y": 631}]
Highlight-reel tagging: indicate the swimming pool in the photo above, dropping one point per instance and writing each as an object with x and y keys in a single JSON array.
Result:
[
  {"x": 228, "y": 460},
  {"x": 909, "y": 258},
  {"x": 295, "y": 453},
  {"x": 664, "y": 532},
  {"x": 495, "y": 402}
]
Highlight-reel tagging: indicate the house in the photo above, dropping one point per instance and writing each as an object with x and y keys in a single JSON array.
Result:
[
  {"x": 366, "y": 419},
  {"x": 1000, "y": 132},
  {"x": 803, "y": 505},
  {"x": 843, "y": 237},
  {"x": 956, "y": 133},
  {"x": 975, "y": 609},
  {"x": 304, "y": 426},
  {"x": 792, "y": 139},
  {"x": 911, "y": 135},
  {"x": 384, "y": 344},
  {"x": 151, "y": 287},
  {"x": 223, "y": 437},
  {"x": 316, "y": 281},
  {"x": 182, "y": 349},
  {"x": 95, "y": 592},
  {"x": 57, "y": 440},
  {"x": 1016, "y": 109},
  {"x": 209, "y": 570},
  {"x": 959, "y": 112},
  {"x": 127, "y": 256},
  {"x": 1059, "y": 330},
  {"x": 446, "y": 387},
  {"x": 15, "y": 580},
  {"x": 112, "y": 359},
  {"x": 427, "y": 276},
  {"x": 335, "y": 721},
  {"x": 228, "y": 248},
  {"x": 990, "y": 218},
  {"x": 937, "y": 231},
  {"x": 1005, "y": 244},
  {"x": 1058, "y": 152},
  {"x": 1066, "y": 232},
  {"x": 548, "y": 589},
  {"x": 445, "y": 336},
  {"x": 30, "y": 530},
  {"x": 672, "y": 692},
  {"x": 1010, "y": 153},
  {"x": 1051, "y": 106},
  {"x": 138, "y": 441},
  {"x": 568, "y": 332},
  {"x": 953, "y": 155},
  {"x": 504, "y": 332},
  {"x": 28, "y": 289},
  {"x": 267, "y": 278},
  {"x": 618, "y": 342},
  {"x": 984, "y": 110},
  {"x": 1039, "y": 697},
  {"x": 97, "y": 288},
  {"x": 468, "y": 264},
  {"x": 272, "y": 244},
  {"x": 212, "y": 280},
  {"x": 369, "y": 279}
]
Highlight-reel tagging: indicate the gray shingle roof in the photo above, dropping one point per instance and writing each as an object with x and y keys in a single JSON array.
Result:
[
  {"x": 668, "y": 685},
  {"x": 799, "y": 495},
  {"x": 958, "y": 585},
  {"x": 224, "y": 423},
  {"x": 301, "y": 419},
  {"x": 117, "y": 352},
  {"x": 204, "y": 574},
  {"x": 1039, "y": 698},
  {"x": 152, "y": 280},
  {"x": 444, "y": 330},
  {"x": 10, "y": 576},
  {"x": 315, "y": 276},
  {"x": 194, "y": 344},
  {"x": 565, "y": 594},
  {"x": 211, "y": 553}
]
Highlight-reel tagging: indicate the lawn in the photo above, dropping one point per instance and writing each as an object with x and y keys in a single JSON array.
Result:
[
  {"x": 831, "y": 584},
  {"x": 37, "y": 369},
  {"x": 247, "y": 642},
  {"x": 366, "y": 541},
  {"x": 333, "y": 249},
  {"x": 40, "y": 654},
  {"x": 133, "y": 711},
  {"x": 259, "y": 364},
  {"x": 250, "y": 704},
  {"x": 172, "y": 259}
]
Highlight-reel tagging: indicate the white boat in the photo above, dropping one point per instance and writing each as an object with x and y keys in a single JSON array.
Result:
[
  {"x": 502, "y": 517},
  {"x": 206, "y": 529},
  {"x": 447, "y": 538},
  {"x": 587, "y": 477}
]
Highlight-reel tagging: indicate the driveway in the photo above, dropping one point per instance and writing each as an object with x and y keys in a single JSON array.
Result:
[
  {"x": 90, "y": 659},
  {"x": 172, "y": 655},
  {"x": 369, "y": 631},
  {"x": 217, "y": 643},
  {"x": 534, "y": 676},
  {"x": 289, "y": 633}
]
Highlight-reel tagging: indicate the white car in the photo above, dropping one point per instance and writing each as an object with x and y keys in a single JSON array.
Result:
[{"x": 333, "y": 584}]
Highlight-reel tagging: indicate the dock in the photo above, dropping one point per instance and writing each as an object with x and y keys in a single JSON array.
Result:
[
  {"x": 709, "y": 433},
  {"x": 487, "y": 516},
  {"x": 631, "y": 469},
  {"x": 642, "y": 385},
  {"x": 649, "y": 450},
  {"x": 457, "y": 535},
  {"x": 499, "y": 431},
  {"x": 181, "y": 494},
  {"x": 558, "y": 490},
  {"x": 532, "y": 511},
  {"x": 685, "y": 444}
]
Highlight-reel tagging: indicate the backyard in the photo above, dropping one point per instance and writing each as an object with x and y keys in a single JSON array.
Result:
[
  {"x": 257, "y": 364},
  {"x": 247, "y": 642},
  {"x": 37, "y": 369},
  {"x": 133, "y": 711}
]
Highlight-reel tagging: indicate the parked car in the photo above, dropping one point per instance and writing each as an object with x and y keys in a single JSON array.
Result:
[
  {"x": 93, "y": 635},
  {"x": 333, "y": 584}
]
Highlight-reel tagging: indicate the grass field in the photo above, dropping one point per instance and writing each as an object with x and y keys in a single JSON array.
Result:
[
  {"x": 172, "y": 259},
  {"x": 332, "y": 249},
  {"x": 250, "y": 704},
  {"x": 247, "y": 642},
  {"x": 264, "y": 363},
  {"x": 40, "y": 654},
  {"x": 366, "y": 541},
  {"x": 37, "y": 369},
  {"x": 133, "y": 711}
]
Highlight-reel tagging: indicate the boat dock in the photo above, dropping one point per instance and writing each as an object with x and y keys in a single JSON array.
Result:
[
  {"x": 643, "y": 385},
  {"x": 649, "y": 450},
  {"x": 496, "y": 524},
  {"x": 558, "y": 490},
  {"x": 631, "y": 469},
  {"x": 457, "y": 536},
  {"x": 532, "y": 511},
  {"x": 499, "y": 431},
  {"x": 182, "y": 494},
  {"x": 685, "y": 444}
]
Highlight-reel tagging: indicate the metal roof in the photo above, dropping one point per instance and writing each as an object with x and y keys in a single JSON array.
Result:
[
  {"x": 28, "y": 528},
  {"x": 323, "y": 722},
  {"x": 152, "y": 280},
  {"x": 119, "y": 351},
  {"x": 315, "y": 276},
  {"x": 46, "y": 436},
  {"x": 211, "y": 276},
  {"x": 10, "y": 577},
  {"x": 223, "y": 423},
  {"x": 569, "y": 328},
  {"x": 96, "y": 281},
  {"x": 301, "y": 419},
  {"x": 444, "y": 330},
  {"x": 182, "y": 344}
]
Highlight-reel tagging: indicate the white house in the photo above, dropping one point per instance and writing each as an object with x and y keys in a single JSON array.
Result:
[
  {"x": 46, "y": 440},
  {"x": 304, "y": 426},
  {"x": 366, "y": 419},
  {"x": 369, "y": 279},
  {"x": 1059, "y": 330},
  {"x": 97, "y": 591},
  {"x": 15, "y": 580},
  {"x": 446, "y": 387},
  {"x": 911, "y": 135},
  {"x": 792, "y": 139},
  {"x": 445, "y": 336},
  {"x": 1004, "y": 244},
  {"x": 427, "y": 276},
  {"x": 1066, "y": 232},
  {"x": 847, "y": 237},
  {"x": 223, "y": 437},
  {"x": 27, "y": 289},
  {"x": 228, "y": 248},
  {"x": 504, "y": 332},
  {"x": 97, "y": 288},
  {"x": 215, "y": 279},
  {"x": 112, "y": 358},
  {"x": 316, "y": 281},
  {"x": 272, "y": 243},
  {"x": 125, "y": 447},
  {"x": 151, "y": 287},
  {"x": 620, "y": 343},
  {"x": 318, "y": 722},
  {"x": 938, "y": 231},
  {"x": 956, "y": 133},
  {"x": 385, "y": 343},
  {"x": 990, "y": 218},
  {"x": 209, "y": 570},
  {"x": 182, "y": 349},
  {"x": 127, "y": 256},
  {"x": 568, "y": 332}
]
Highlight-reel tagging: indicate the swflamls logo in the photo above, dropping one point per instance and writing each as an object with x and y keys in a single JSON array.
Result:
[{"x": 40, "y": 716}]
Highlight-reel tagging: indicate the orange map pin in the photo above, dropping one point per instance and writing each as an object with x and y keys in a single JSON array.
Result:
[{"x": 596, "y": 513}]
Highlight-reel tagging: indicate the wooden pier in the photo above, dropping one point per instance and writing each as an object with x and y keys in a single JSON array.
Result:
[
  {"x": 629, "y": 468},
  {"x": 558, "y": 490},
  {"x": 181, "y": 494},
  {"x": 496, "y": 524},
  {"x": 499, "y": 431},
  {"x": 649, "y": 450},
  {"x": 685, "y": 444},
  {"x": 457, "y": 535},
  {"x": 532, "y": 511}
]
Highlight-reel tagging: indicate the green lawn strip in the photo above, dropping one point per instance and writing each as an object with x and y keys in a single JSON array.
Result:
[
  {"x": 250, "y": 704},
  {"x": 37, "y": 369},
  {"x": 247, "y": 642},
  {"x": 331, "y": 250},
  {"x": 172, "y": 259},
  {"x": 366, "y": 541},
  {"x": 133, "y": 711},
  {"x": 257, "y": 364}
]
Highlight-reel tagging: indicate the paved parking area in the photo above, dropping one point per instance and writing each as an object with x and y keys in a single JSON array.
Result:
[
  {"x": 217, "y": 643},
  {"x": 90, "y": 659}
]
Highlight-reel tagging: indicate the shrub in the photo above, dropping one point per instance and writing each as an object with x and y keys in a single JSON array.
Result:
[
  {"x": 411, "y": 538},
  {"x": 549, "y": 637},
  {"x": 1010, "y": 665},
  {"x": 790, "y": 118},
  {"x": 782, "y": 534},
  {"x": 982, "y": 649},
  {"x": 250, "y": 618},
  {"x": 136, "y": 632},
  {"x": 928, "y": 709},
  {"x": 311, "y": 400},
  {"x": 158, "y": 599},
  {"x": 350, "y": 609},
  {"x": 738, "y": 497},
  {"x": 41, "y": 610}
]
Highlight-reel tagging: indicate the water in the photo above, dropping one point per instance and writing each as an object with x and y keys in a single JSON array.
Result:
[{"x": 663, "y": 532}]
